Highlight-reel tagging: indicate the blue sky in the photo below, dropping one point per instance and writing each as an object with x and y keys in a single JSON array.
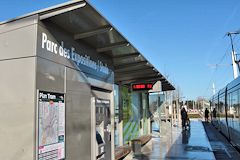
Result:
[{"x": 183, "y": 40}]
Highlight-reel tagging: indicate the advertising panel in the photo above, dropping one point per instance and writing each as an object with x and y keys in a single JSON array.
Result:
[{"x": 51, "y": 126}]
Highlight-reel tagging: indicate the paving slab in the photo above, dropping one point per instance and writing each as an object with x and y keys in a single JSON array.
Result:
[
  {"x": 221, "y": 147},
  {"x": 179, "y": 144}
]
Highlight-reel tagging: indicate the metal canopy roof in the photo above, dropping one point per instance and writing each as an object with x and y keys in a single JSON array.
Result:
[{"x": 86, "y": 25}]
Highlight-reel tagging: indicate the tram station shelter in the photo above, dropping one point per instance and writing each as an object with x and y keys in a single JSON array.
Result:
[{"x": 62, "y": 68}]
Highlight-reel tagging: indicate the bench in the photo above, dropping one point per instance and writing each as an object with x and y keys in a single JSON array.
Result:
[
  {"x": 122, "y": 151},
  {"x": 143, "y": 139}
]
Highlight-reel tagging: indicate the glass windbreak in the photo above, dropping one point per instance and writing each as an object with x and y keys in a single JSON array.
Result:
[
  {"x": 116, "y": 115},
  {"x": 131, "y": 102},
  {"x": 145, "y": 115},
  {"x": 153, "y": 103},
  {"x": 153, "y": 108}
]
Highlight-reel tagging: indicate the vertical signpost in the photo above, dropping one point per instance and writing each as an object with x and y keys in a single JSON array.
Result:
[{"x": 51, "y": 126}]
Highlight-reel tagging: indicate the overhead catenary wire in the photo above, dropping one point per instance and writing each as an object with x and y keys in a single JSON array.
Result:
[
  {"x": 228, "y": 50},
  {"x": 213, "y": 74}
]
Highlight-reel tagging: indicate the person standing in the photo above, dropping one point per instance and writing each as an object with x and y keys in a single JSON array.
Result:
[
  {"x": 183, "y": 117},
  {"x": 206, "y": 114},
  {"x": 214, "y": 113}
]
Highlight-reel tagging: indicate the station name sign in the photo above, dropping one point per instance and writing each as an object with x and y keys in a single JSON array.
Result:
[
  {"x": 142, "y": 86},
  {"x": 71, "y": 54}
]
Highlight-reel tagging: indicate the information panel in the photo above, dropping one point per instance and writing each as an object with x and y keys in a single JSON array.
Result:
[
  {"x": 51, "y": 126},
  {"x": 142, "y": 86}
]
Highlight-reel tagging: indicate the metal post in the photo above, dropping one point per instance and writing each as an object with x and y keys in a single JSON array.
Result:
[
  {"x": 234, "y": 59},
  {"x": 173, "y": 113},
  {"x": 178, "y": 106}
]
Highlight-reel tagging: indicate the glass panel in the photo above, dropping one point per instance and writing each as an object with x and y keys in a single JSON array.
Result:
[
  {"x": 237, "y": 119},
  {"x": 145, "y": 113},
  {"x": 116, "y": 114},
  {"x": 154, "y": 107},
  {"x": 131, "y": 105},
  {"x": 222, "y": 115},
  {"x": 234, "y": 118}
]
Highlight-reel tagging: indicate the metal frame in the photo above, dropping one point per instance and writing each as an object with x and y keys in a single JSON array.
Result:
[
  {"x": 93, "y": 32},
  {"x": 112, "y": 46},
  {"x": 111, "y": 41}
]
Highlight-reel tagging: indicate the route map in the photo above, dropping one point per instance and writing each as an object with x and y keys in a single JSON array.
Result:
[
  {"x": 48, "y": 123},
  {"x": 51, "y": 126}
]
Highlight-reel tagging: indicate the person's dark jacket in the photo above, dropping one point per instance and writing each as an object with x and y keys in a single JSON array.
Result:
[
  {"x": 206, "y": 113},
  {"x": 183, "y": 113}
]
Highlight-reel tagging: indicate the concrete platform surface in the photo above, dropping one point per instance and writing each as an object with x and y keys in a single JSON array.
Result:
[
  {"x": 221, "y": 147},
  {"x": 179, "y": 145}
]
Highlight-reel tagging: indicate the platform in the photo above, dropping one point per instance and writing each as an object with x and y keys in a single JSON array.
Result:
[
  {"x": 180, "y": 145},
  {"x": 222, "y": 149}
]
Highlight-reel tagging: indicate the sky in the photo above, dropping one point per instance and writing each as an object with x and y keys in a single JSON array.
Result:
[{"x": 185, "y": 40}]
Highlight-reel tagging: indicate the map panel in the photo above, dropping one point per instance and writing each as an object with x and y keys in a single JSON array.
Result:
[{"x": 51, "y": 126}]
